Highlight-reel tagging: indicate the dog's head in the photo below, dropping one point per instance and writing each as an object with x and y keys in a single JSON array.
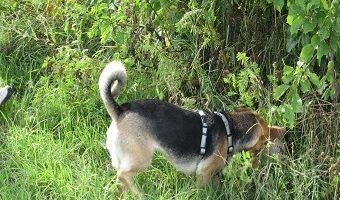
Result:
[{"x": 251, "y": 131}]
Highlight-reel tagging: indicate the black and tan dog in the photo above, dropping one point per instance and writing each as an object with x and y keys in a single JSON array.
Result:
[{"x": 140, "y": 127}]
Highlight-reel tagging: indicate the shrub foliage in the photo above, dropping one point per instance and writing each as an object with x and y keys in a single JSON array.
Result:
[{"x": 278, "y": 57}]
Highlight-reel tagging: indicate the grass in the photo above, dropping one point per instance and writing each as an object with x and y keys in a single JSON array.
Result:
[
  {"x": 51, "y": 148},
  {"x": 52, "y": 130}
]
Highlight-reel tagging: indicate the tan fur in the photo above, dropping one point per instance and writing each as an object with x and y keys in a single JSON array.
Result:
[
  {"x": 265, "y": 133},
  {"x": 133, "y": 154},
  {"x": 213, "y": 164},
  {"x": 242, "y": 109}
]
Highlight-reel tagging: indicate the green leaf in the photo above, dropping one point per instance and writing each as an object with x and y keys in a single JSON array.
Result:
[
  {"x": 323, "y": 49},
  {"x": 308, "y": 26},
  {"x": 287, "y": 69},
  {"x": 305, "y": 85},
  {"x": 94, "y": 30},
  {"x": 105, "y": 31},
  {"x": 325, "y": 4},
  {"x": 337, "y": 25},
  {"x": 322, "y": 85},
  {"x": 278, "y": 4},
  {"x": 120, "y": 36},
  {"x": 156, "y": 5},
  {"x": 128, "y": 62},
  {"x": 294, "y": 9},
  {"x": 288, "y": 114},
  {"x": 296, "y": 25},
  {"x": 296, "y": 103},
  {"x": 330, "y": 65},
  {"x": 301, "y": 4},
  {"x": 326, "y": 93},
  {"x": 67, "y": 25},
  {"x": 335, "y": 44},
  {"x": 287, "y": 74},
  {"x": 332, "y": 92},
  {"x": 279, "y": 91},
  {"x": 291, "y": 43},
  {"x": 119, "y": 16},
  {"x": 315, "y": 40},
  {"x": 290, "y": 19},
  {"x": 315, "y": 3},
  {"x": 95, "y": 10},
  {"x": 325, "y": 29},
  {"x": 314, "y": 79},
  {"x": 116, "y": 56},
  {"x": 305, "y": 39},
  {"x": 307, "y": 52}
]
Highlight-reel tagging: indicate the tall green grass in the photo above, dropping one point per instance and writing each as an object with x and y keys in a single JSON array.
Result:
[
  {"x": 52, "y": 130},
  {"x": 52, "y": 147}
]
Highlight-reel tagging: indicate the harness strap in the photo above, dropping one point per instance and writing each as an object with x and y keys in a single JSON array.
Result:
[
  {"x": 204, "y": 132},
  {"x": 229, "y": 135}
]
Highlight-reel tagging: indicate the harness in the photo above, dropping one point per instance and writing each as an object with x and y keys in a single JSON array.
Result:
[
  {"x": 205, "y": 131},
  {"x": 227, "y": 128}
]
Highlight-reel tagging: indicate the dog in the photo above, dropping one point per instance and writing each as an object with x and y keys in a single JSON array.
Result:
[{"x": 140, "y": 127}]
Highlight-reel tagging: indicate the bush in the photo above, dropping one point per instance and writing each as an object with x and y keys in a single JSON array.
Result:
[{"x": 278, "y": 57}]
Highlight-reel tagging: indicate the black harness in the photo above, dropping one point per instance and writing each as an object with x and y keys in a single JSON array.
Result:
[{"x": 205, "y": 131}]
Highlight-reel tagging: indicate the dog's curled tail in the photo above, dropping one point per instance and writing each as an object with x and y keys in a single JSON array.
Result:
[{"x": 111, "y": 80}]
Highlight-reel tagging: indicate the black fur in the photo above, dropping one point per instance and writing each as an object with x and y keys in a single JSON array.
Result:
[{"x": 175, "y": 128}]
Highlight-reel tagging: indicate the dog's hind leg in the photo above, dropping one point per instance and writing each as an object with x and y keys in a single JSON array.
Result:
[
  {"x": 133, "y": 148},
  {"x": 134, "y": 158},
  {"x": 129, "y": 167},
  {"x": 124, "y": 179}
]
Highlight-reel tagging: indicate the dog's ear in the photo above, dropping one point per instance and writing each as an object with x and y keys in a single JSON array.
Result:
[
  {"x": 252, "y": 139},
  {"x": 276, "y": 132}
]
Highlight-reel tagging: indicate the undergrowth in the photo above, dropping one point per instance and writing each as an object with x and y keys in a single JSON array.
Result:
[{"x": 189, "y": 53}]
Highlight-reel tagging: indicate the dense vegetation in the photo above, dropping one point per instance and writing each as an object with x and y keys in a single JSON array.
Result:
[{"x": 278, "y": 57}]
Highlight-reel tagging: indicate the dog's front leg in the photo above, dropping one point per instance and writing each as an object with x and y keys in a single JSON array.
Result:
[
  {"x": 124, "y": 181},
  {"x": 254, "y": 159},
  {"x": 218, "y": 178},
  {"x": 202, "y": 179},
  {"x": 208, "y": 168}
]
